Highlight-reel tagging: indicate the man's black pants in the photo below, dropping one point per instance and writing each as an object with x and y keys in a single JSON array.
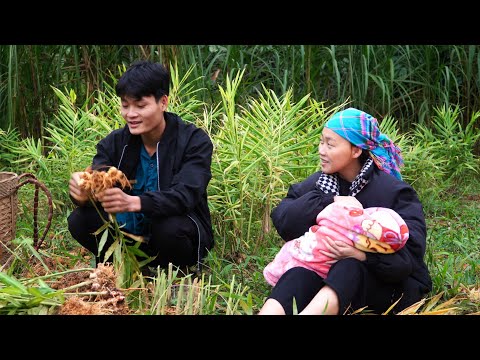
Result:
[{"x": 174, "y": 239}]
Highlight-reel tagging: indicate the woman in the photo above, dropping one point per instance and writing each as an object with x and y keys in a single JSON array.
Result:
[{"x": 357, "y": 160}]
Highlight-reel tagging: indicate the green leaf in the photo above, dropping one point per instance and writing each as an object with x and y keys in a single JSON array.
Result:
[
  {"x": 111, "y": 249},
  {"x": 103, "y": 240},
  {"x": 11, "y": 281},
  {"x": 101, "y": 228}
]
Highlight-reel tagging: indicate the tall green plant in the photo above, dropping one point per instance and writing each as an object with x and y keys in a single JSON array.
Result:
[
  {"x": 259, "y": 150},
  {"x": 9, "y": 140},
  {"x": 454, "y": 142}
]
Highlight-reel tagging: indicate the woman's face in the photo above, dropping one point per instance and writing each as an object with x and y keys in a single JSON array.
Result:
[{"x": 338, "y": 155}]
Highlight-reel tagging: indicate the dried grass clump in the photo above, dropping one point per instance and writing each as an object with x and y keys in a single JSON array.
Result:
[
  {"x": 473, "y": 293},
  {"x": 78, "y": 306},
  {"x": 103, "y": 299},
  {"x": 73, "y": 279}
]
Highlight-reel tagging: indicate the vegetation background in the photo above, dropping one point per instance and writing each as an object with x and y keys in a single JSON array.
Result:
[{"x": 264, "y": 107}]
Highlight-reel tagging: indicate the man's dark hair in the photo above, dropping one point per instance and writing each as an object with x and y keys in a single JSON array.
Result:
[{"x": 144, "y": 78}]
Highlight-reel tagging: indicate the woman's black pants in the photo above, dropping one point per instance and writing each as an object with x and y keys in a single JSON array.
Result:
[{"x": 355, "y": 286}]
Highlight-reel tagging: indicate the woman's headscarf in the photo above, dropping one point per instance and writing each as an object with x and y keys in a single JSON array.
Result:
[{"x": 362, "y": 130}]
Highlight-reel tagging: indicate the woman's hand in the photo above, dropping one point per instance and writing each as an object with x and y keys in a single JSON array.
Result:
[
  {"x": 114, "y": 200},
  {"x": 338, "y": 250},
  {"x": 76, "y": 192}
]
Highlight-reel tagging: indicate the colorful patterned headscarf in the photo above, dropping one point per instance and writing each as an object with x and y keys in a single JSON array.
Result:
[{"x": 362, "y": 130}]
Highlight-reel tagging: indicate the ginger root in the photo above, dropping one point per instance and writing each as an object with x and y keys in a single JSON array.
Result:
[{"x": 96, "y": 181}]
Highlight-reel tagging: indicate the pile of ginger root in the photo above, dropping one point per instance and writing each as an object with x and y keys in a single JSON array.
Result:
[{"x": 96, "y": 181}]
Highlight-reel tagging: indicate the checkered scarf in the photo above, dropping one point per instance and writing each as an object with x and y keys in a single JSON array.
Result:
[
  {"x": 362, "y": 130},
  {"x": 329, "y": 183}
]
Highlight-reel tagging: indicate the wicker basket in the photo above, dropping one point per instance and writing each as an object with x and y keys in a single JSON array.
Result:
[
  {"x": 9, "y": 185},
  {"x": 8, "y": 205}
]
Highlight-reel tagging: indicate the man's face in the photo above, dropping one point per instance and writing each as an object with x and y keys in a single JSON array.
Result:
[{"x": 145, "y": 115}]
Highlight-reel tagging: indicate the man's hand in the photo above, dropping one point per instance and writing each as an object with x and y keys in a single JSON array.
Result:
[
  {"x": 114, "y": 200},
  {"x": 80, "y": 195}
]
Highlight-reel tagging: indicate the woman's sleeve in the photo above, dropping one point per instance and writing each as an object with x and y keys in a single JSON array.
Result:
[
  {"x": 398, "y": 266},
  {"x": 294, "y": 215}
]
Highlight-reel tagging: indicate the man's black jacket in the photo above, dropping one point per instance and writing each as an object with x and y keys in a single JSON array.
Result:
[{"x": 184, "y": 155}]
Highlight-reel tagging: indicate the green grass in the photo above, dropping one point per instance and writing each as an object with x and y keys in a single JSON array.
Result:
[
  {"x": 261, "y": 145},
  {"x": 235, "y": 284}
]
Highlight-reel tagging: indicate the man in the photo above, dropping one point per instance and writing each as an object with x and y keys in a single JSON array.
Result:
[{"x": 169, "y": 160}]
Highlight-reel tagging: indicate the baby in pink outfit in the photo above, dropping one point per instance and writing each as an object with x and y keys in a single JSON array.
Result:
[{"x": 374, "y": 229}]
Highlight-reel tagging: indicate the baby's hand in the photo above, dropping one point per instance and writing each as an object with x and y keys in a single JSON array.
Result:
[{"x": 348, "y": 200}]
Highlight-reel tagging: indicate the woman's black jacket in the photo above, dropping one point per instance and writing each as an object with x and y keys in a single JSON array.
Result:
[{"x": 406, "y": 268}]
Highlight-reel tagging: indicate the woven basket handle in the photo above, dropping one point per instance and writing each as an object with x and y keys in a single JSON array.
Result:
[{"x": 31, "y": 179}]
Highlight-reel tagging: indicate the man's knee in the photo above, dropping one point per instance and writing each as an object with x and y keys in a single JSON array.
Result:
[
  {"x": 83, "y": 221},
  {"x": 172, "y": 227},
  {"x": 176, "y": 239},
  {"x": 75, "y": 223}
]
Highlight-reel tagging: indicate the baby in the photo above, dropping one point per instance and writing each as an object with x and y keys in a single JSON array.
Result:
[{"x": 374, "y": 229}]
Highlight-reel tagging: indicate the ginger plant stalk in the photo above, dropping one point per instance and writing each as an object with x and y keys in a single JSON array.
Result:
[{"x": 125, "y": 262}]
